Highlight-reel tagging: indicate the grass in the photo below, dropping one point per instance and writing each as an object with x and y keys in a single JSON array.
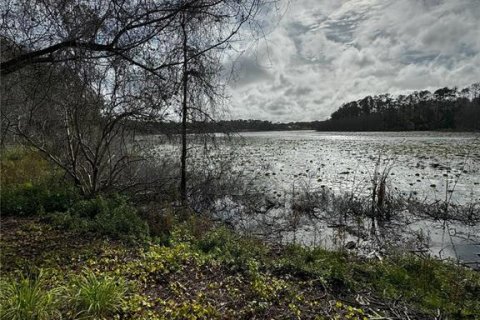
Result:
[
  {"x": 87, "y": 296},
  {"x": 20, "y": 165},
  {"x": 97, "y": 296},
  {"x": 25, "y": 299}
]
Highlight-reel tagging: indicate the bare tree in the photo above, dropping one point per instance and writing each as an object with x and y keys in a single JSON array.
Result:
[
  {"x": 138, "y": 31},
  {"x": 102, "y": 63},
  {"x": 76, "y": 116}
]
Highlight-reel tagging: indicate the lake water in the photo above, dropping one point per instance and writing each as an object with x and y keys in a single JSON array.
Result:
[
  {"x": 425, "y": 164},
  {"x": 428, "y": 166}
]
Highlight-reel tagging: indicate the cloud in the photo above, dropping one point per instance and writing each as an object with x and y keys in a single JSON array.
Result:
[{"x": 325, "y": 53}]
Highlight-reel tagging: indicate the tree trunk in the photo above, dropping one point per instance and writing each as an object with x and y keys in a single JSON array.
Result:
[{"x": 183, "y": 181}]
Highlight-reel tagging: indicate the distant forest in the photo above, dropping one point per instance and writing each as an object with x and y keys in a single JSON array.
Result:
[
  {"x": 225, "y": 126},
  {"x": 444, "y": 109}
]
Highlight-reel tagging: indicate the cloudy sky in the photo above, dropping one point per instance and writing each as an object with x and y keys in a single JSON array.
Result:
[{"x": 323, "y": 53}]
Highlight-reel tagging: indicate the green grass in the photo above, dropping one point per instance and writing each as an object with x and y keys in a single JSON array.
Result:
[
  {"x": 28, "y": 299},
  {"x": 87, "y": 296},
  {"x": 425, "y": 282},
  {"x": 97, "y": 296},
  {"x": 20, "y": 165}
]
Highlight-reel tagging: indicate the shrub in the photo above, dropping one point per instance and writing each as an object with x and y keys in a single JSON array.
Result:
[
  {"x": 161, "y": 220},
  {"x": 107, "y": 216},
  {"x": 29, "y": 185},
  {"x": 28, "y": 199},
  {"x": 121, "y": 221},
  {"x": 91, "y": 208},
  {"x": 231, "y": 248},
  {"x": 19, "y": 166},
  {"x": 28, "y": 299},
  {"x": 97, "y": 296}
]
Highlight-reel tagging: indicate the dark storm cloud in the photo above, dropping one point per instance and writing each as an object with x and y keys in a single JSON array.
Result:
[
  {"x": 249, "y": 70},
  {"x": 298, "y": 91}
]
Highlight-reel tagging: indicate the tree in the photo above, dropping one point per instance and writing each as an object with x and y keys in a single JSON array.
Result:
[
  {"x": 120, "y": 61},
  {"x": 444, "y": 109},
  {"x": 137, "y": 31}
]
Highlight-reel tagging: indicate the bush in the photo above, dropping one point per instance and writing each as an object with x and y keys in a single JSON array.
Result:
[
  {"x": 19, "y": 166},
  {"x": 231, "y": 248},
  {"x": 28, "y": 299},
  {"x": 120, "y": 221},
  {"x": 96, "y": 296},
  {"x": 161, "y": 220},
  {"x": 107, "y": 216},
  {"x": 28, "y": 199},
  {"x": 29, "y": 185}
]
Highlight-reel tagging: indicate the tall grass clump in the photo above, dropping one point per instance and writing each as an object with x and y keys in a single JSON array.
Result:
[
  {"x": 26, "y": 299},
  {"x": 97, "y": 296}
]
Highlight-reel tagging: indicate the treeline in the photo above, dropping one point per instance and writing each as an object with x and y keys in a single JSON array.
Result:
[
  {"x": 224, "y": 126},
  {"x": 444, "y": 109}
]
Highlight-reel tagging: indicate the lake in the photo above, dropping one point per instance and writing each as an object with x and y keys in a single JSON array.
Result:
[
  {"x": 428, "y": 166},
  {"x": 425, "y": 164}
]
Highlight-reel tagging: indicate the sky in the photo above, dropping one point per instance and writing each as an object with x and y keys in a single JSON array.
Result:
[{"x": 318, "y": 54}]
